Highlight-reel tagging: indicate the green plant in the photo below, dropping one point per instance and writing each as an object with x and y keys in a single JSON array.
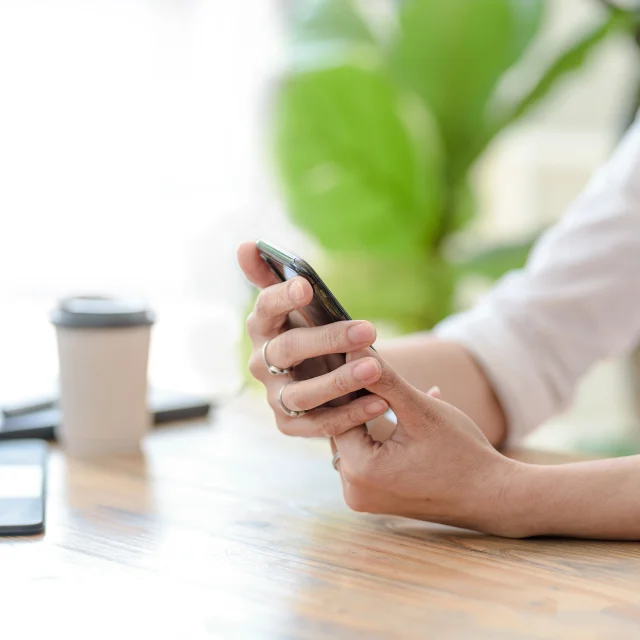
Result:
[{"x": 376, "y": 133}]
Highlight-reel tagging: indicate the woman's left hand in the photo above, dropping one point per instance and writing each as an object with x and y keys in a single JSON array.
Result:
[{"x": 436, "y": 466}]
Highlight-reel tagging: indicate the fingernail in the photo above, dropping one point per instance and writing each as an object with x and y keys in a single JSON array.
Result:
[
  {"x": 376, "y": 407},
  {"x": 434, "y": 391},
  {"x": 296, "y": 291},
  {"x": 360, "y": 333},
  {"x": 365, "y": 370}
]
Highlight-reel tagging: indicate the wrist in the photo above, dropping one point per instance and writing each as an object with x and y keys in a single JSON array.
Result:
[{"x": 511, "y": 509}]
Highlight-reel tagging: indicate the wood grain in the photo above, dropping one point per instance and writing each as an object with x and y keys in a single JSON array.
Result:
[{"x": 230, "y": 530}]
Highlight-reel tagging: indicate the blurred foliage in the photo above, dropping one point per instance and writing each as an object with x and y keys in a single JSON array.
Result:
[
  {"x": 612, "y": 447},
  {"x": 376, "y": 132}
]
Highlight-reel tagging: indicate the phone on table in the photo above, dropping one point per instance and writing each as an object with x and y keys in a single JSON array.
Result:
[{"x": 22, "y": 487}]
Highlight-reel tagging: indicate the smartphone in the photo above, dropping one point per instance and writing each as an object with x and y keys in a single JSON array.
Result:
[
  {"x": 22, "y": 487},
  {"x": 323, "y": 309}
]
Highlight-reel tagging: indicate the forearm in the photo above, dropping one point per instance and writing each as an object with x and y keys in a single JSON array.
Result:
[
  {"x": 425, "y": 361},
  {"x": 597, "y": 499}
]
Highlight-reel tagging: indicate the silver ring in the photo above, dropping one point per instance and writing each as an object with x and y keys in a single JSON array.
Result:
[
  {"x": 289, "y": 412},
  {"x": 271, "y": 368},
  {"x": 335, "y": 460}
]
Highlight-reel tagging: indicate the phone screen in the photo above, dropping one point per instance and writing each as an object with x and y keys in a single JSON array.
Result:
[{"x": 22, "y": 486}]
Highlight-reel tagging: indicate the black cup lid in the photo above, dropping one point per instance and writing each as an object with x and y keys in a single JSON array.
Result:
[{"x": 96, "y": 311}]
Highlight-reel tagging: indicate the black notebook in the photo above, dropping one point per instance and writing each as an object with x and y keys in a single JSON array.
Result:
[{"x": 41, "y": 419}]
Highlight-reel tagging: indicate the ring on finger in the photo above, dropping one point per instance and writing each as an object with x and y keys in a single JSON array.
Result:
[
  {"x": 271, "y": 368},
  {"x": 290, "y": 412},
  {"x": 335, "y": 460}
]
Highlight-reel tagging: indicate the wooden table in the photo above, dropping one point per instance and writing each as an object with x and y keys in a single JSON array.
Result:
[{"x": 231, "y": 530}]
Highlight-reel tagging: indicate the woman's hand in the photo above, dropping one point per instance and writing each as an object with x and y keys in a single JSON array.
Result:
[
  {"x": 436, "y": 466},
  {"x": 314, "y": 386}
]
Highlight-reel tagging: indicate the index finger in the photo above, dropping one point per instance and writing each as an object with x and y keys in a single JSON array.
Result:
[{"x": 254, "y": 267}]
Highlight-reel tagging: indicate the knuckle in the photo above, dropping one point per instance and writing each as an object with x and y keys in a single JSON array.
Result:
[
  {"x": 332, "y": 425},
  {"x": 284, "y": 426},
  {"x": 291, "y": 397},
  {"x": 354, "y": 416},
  {"x": 263, "y": 304},
  {"x": 286, "y": 346},
  {"x": 256, "y": 366},
  {"x": 273, "y": 404},
  {"x": 250, "y": 323},
  {"x": 340, "y": 383},
  {"x": 328, "y": 429},
  {"x": 333, "y": 337},
  {"x": 389, "y": 379}
]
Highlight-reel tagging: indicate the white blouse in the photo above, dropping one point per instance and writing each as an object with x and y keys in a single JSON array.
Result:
[{"x": 576, "y": 301}]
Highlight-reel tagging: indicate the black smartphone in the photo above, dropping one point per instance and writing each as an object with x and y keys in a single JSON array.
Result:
[
  {"x": 22, "y": 487},
  {"x": 323, "y": 309}
]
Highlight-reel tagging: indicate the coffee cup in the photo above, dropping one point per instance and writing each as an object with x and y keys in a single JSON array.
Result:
[{"x": 103, "y": 351}]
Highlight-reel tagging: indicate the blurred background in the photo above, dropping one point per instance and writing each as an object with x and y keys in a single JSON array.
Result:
[{"x": 140, "y": 141}]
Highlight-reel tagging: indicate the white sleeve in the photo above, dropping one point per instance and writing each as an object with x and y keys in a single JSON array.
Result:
[{"x": 576, "y": 301}]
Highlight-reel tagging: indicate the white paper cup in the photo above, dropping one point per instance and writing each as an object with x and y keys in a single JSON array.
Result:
[{"x": 103, "y": 349}]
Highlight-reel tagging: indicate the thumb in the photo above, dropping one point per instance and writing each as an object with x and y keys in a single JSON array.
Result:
[
  {"x": 390, "y": 386},
  {"x": 405, "y": 401},
  {"x": 393, "y": 388},
  {"x": 434, "y": 391}
]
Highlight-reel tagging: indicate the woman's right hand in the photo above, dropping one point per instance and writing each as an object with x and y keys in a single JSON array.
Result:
[{"x": 311, "y": 388}]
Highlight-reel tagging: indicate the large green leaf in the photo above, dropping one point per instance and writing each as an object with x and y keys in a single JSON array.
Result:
[
  {"x": 329, "y": 32},
  {"x": 526, "y": 19},
  {"x": 564, "y": 64},
  {"x": 412, "y": 292},
  {"x": 453, "y": 53},
  {"x": 495, "y": 261},
  {"x": 458, "y": 209},
  {"x": 359, "y": 163}
]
